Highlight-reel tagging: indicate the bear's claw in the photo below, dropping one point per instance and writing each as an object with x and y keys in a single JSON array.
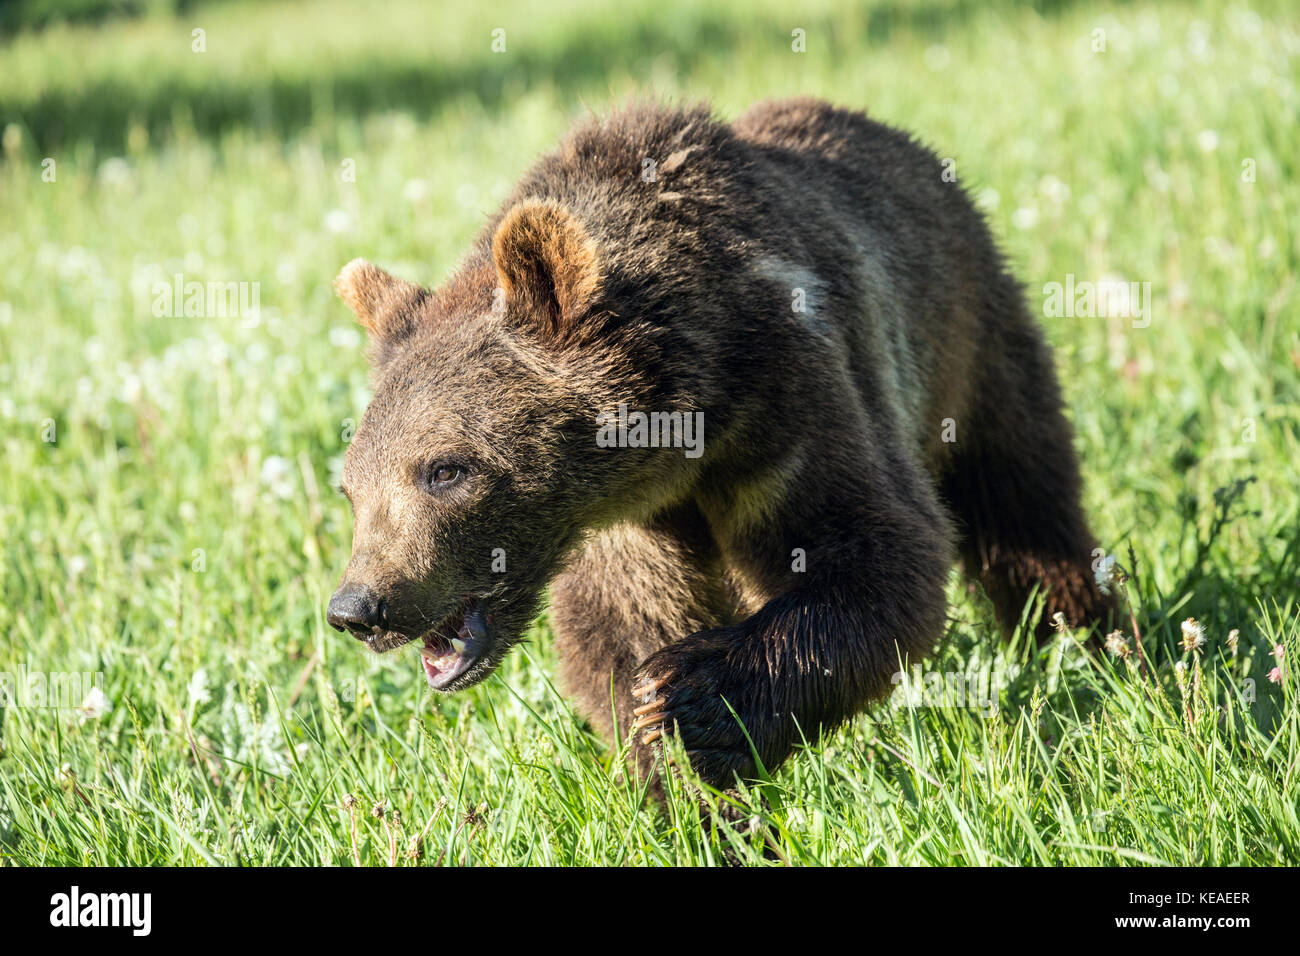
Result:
[
  {"x": 690, "y": 696},
  {"x": 647, "y": 686},
  {"x": 656, "y": 704},
  {"x": 651, "y": 715}
]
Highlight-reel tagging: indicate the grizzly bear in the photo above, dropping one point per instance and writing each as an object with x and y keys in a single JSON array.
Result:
[{"x": 740, "y": 395}]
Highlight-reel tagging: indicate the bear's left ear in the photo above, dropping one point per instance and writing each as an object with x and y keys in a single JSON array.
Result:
[
  {"x": 549, "y": 268},
  {"x": 385, "y": 305}
]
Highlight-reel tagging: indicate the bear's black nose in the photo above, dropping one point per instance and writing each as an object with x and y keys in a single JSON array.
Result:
[{"x": 354, "y": 608}]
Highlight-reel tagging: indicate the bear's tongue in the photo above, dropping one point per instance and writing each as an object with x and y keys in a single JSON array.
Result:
[
  {"x": 446, "y": 658},
  {"x": 440, "y": 655}
]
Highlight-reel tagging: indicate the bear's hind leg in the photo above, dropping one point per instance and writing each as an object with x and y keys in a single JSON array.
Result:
[{"x": 1015, "y": 489}]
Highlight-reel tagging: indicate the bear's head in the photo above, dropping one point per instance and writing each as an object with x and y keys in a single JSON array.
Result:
[{"x": 474, "y": 470}]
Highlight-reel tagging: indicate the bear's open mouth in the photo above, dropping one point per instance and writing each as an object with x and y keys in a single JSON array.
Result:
[{"x": 454, "y": 645}]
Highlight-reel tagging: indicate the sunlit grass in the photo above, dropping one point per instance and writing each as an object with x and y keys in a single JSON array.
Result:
[{"x": 180, "y": 533}]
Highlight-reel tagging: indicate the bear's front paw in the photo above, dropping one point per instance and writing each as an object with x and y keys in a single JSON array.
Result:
[{"x": 685, "y": 688}]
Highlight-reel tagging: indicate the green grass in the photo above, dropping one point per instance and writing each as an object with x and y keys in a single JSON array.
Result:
[{"x": 181, "y": 534}]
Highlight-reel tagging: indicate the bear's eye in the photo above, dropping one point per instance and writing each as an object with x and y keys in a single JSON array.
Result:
[{"x": 443, "y": 474}]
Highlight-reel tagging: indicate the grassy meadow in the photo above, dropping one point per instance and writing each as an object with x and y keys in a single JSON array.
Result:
[{"x": 170, "y": 528}]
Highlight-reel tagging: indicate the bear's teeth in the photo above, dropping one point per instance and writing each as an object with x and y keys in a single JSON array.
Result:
[{"x": 458, "y": 644}]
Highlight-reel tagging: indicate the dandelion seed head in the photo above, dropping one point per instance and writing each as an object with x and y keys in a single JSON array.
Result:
[
  {"x": 277, "y": 476},
  {"x": 1105, "y": 573},
  {"x": 95, "y": 705}
]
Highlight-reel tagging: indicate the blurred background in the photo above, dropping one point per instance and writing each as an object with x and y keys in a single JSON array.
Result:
[{"x": 166, "y": 484}]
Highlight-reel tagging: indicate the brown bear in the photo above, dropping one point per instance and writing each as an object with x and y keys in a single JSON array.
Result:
[{"x": 740, "y": 394}]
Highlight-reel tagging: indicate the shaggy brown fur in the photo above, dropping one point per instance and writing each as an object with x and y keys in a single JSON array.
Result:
[{"x": 787, "y": 570}]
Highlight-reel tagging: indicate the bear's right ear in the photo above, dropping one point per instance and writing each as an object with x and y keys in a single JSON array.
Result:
[
  {"x": 549, "y": 267},
  {"x": 385, "y": 305}
]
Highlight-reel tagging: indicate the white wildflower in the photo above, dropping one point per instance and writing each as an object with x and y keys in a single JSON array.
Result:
[
  {"x": 198, "y": 689},
  {"x": 1105, "y": 573},
  {"x": 337, "y": 220},
  {"x": 95, "y": 705},
  {"x": 115, "y": 171},
  {"x": 1193, "y": 635},
  {"x": 1116, "y": 645},
  {"x": 345, "y": 337},
  {"x": 415, "y": 190},
  {"x": 1026, "y": 217},
  {"x": 277, "y": 475},
  {"x": 1053, "y": 190}
]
